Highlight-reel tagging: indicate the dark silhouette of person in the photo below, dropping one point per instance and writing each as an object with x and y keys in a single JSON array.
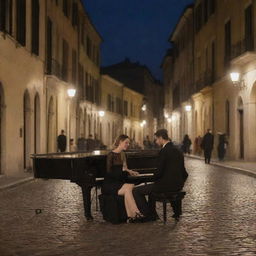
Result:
[
  {"x": 222, "y": 146},
  {"x": 90, "y": 143},
  {"x": 186, "y": 143},
  {"x": 81, "y": 143},
  {"x": 62, "y": 142},
  {"x": 170, "y": 176},
  {"x": 207, "y": 146},
  {"x": 147, "y": 143}
]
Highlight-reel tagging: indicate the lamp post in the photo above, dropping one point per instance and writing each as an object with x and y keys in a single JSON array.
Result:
[{"x": 71, "y": 94}]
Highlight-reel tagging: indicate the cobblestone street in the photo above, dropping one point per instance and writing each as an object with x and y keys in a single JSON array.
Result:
[{"x": 219, "y": 218}]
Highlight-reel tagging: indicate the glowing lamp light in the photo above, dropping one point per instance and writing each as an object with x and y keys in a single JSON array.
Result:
[
  {"x": 71, "y": 92},
  {"x": 169, "y": 120},
  {"x": 144, "y": 107},
  {"x": 143, "y": 123},
  {"x": 101, "y": 113},
  {"x": 166, "y": 116},
  {"x": 235, "y": 77},
  {"x": 188, "y": 108}
]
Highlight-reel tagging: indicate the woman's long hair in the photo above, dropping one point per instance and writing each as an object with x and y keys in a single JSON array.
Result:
[{"x": 119, "y": 139}]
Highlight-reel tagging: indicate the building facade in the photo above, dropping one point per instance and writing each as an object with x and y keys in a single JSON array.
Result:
[
  {"x": 123, "y": 114},
  {"x": 223, "y": 43},
  {"x": 46, "y": 48},
  {"x": 137, "y": 77}
]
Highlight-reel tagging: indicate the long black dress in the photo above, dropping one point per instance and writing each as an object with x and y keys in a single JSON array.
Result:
[{"x": 115, "y": 176}]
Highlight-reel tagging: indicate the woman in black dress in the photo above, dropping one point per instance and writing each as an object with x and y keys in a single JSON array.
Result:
[{"x": 117, "y": 172}]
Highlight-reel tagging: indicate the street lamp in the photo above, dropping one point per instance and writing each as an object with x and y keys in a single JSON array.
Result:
[
  {"x": 144, "y": 107},
  {"x": 71, "y": 92},
  {"x": 236, "y": 80},
  {"x": 169, "y": 120},
  {"x": 188, "y": 108},
  {"x": 101, "y": 113}
]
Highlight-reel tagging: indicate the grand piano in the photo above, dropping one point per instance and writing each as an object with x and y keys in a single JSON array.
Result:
[{"x": 87, "y": 169}]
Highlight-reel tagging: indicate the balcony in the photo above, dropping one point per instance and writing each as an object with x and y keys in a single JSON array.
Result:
[{"x": 243, "y": 52}]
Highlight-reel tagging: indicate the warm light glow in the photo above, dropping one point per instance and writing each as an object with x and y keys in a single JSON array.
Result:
[
  {"x": 188, "y": 108},
  {"x": 235, "y": 76},
  {"x": 96, "y": 152},
  {"x": 101, "y": 113},
  {"x": 71, "y": 92},
  {"x": 166, "y": 115},
  {"x": 169, "y": 120},
  {"x": 173, "y": 118},
  {"x": 143, "y": 123},
  {"x": 144, "y": 107}
]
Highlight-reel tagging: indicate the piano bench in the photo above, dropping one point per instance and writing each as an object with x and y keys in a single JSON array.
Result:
[{"x": 174, "y": 198}]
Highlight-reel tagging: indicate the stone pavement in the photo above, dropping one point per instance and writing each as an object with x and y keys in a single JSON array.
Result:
[
  {"x": 219, "y": 219},
  {"x": 12, "y": 181},
  {"x": 245, "y": 167}
]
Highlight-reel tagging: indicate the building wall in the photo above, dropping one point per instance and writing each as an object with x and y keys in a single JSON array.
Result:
[{"x": 216, "y": 103}]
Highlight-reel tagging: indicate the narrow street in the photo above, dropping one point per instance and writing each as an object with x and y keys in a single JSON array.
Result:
[{"x": 219, "y": 218}]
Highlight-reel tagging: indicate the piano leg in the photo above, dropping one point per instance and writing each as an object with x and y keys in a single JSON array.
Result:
[{"x": 86, "y": 190}]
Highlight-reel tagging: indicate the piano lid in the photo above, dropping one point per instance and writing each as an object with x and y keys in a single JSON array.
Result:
[{"x": 72, "y": 154}]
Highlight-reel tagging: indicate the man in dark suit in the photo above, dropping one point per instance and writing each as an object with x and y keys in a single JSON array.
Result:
[
  {"x": 207, "y": 146},
  {"x": 169, "y": 176}
]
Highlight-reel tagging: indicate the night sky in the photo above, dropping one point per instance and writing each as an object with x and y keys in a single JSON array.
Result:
[{"x": 136, "y": 29}]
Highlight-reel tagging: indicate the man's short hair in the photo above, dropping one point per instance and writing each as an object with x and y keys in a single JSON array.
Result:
[{"x": 162, "y": 133}]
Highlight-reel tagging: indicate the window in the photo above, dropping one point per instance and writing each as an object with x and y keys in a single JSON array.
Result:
[
  {"x": 227, "y": 43},
  {"x": 21, "y": 21},
  {"x": 212, "y": 7},
  {"x": 65, "y": 53},
  {"x": 206, "y": 10},
  {"x": 199, "y": 17},
  {"x": 35, "y": 27},
  {"x": 109, "y": 103},
  {"x": 249, "y": 43},
  {"x": 6, "y": 16},
  {"x": 89, "y": 47},
  {"x": 81, "y": 80},
  {"x": 65, "y": 7},
  {"x": 74, "y": 14},
  {"x": 125, "y": 108},
  {"x": 74, "y": 66},
  {"x": 49, "y": 47}
]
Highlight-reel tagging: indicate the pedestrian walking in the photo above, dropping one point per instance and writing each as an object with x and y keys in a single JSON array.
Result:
[
  {"x": 186, "y": 143},
  {"x": 207, "y": 146},
  {"x": 222, "y": 146},
  {"x": 62, "y": 142}
]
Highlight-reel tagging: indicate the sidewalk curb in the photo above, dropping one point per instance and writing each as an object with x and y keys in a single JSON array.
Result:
[
  {"x": 16, "y": 183},
  {"x": 233, "y": 168}
]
